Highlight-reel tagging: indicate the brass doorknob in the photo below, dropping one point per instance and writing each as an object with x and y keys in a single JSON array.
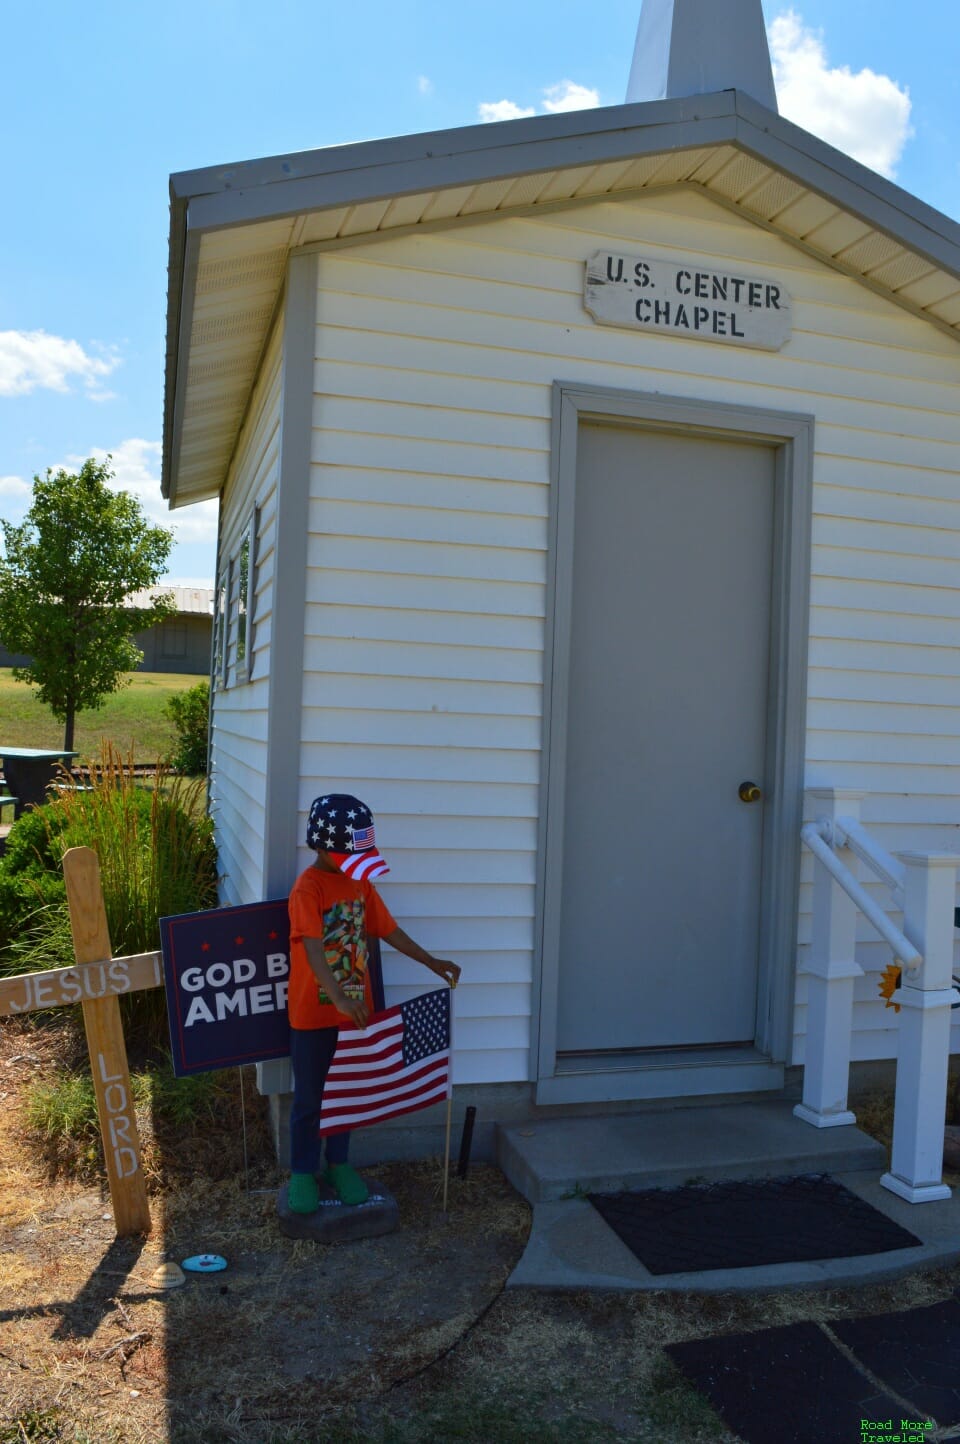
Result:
[{"x": 749, "y": 792}]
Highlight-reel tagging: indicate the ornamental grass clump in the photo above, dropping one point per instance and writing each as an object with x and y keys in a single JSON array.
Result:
[
  {"x": 174, "y": 1116},
  {"x": 155, "y": 845},
  {"x": 157, "y": 858}
]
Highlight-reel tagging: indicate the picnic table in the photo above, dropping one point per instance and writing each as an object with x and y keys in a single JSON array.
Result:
[{"x": 29, "y": 771}]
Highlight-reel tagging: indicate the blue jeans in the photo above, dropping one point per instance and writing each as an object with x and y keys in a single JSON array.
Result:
[{"x": 311, "y": 1052}]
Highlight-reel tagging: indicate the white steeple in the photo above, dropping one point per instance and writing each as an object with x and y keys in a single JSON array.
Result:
[{"x": 695, "y": 47}]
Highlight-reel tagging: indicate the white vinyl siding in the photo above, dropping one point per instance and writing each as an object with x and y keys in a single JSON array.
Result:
[
  {"x": 239, "y": 760},
  {"x": 428, "y": 551}
]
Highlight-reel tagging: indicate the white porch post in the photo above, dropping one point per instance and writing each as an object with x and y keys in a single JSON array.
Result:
[
  {"x": 832, "y": 970},
  {"x": 923, "y": 1052}
]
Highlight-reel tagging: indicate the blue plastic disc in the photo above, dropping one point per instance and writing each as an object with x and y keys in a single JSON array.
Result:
[{"x": 205, "y": 1263}]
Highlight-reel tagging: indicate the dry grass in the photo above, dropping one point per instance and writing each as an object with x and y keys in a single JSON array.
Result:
[
  {"x": 28, "y": 1054},
  {"x": 404, "y": 1338},
  {"x": 92, "y": 1349}
]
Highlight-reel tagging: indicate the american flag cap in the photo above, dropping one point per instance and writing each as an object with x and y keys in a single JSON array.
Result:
[{"x": 342, "y": 826}]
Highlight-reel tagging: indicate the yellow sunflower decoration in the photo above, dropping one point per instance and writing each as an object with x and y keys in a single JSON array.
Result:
[{"x": 889, "y": 983}]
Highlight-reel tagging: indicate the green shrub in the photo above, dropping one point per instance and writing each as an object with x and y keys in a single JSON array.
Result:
[
  {"x": 189, "y": 712},
  {"x": 31, "y": 870},
  {"x": 157, "y": 858},
  {"x": 30, "y": 874}
]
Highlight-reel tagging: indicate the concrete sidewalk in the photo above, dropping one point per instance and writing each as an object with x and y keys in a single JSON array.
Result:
[{"x": 554, "y": 1163}]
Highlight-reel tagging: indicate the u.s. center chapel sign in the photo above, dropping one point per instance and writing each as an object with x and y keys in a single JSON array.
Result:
[{"x": 682, "y": 300}]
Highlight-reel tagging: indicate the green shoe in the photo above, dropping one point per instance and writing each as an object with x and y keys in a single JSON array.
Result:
[
  {"x": 350, "y": 1187},
  {"x": 303, "y": 1195}
]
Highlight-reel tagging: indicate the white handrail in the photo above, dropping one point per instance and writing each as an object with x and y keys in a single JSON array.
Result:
[
  {"x": 924, "y": 884},
  {"x": 887, "y": 868},
  {"x": 902, "y": 948}
]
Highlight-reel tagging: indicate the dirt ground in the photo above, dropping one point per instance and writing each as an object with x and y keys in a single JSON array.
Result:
[{"x": 406, "y": 1337}]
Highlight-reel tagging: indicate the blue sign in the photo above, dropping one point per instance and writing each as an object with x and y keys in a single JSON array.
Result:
[{"x": 227, "y": 972}]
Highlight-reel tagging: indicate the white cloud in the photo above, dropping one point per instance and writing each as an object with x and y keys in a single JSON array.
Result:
[
  {"x": 503, "y": 110},
  {"x": 565, "y": 95},
  {"x": 14, "y": 490},
  {"x": 136, "y": 467},
  {"x": 32, "y": 359},
  {"x": 424, "y": 85},
  {"x": 568, "y": 95},
  {"x": 864, "y": 114}
]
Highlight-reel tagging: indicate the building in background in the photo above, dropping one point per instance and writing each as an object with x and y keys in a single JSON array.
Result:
[{"x": 180, "y": 643}]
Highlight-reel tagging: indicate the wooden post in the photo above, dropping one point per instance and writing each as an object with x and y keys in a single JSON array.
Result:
[{"x": 108, "y": 1052}]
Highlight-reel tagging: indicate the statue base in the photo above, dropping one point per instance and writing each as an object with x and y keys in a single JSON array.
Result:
[{"x": 336, "y": 1222}]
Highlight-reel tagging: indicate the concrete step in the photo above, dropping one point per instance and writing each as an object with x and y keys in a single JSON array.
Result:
[
  {"x": 559, "y": 1158},
  {"x": 572, "y": 1248}
]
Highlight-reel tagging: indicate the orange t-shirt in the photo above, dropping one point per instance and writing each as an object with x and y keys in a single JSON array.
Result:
[{"x": 342, "y": 911}]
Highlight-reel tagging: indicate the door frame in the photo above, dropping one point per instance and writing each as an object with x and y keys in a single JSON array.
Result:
[{"x": 791, "y": 435}]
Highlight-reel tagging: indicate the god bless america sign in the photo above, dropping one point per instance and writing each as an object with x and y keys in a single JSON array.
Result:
[
  {"x": 647, "y": 294},
  {"x": 226, "y": 974}
]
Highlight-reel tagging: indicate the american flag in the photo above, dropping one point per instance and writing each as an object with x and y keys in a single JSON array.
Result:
[{"x": 399, "y": 1062}]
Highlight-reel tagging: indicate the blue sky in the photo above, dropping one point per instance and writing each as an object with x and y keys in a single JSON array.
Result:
[{"x": 102, "y": 101}]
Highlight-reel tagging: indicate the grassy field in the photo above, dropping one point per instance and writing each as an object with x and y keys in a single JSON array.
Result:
[{"x": 132, "y": 718}]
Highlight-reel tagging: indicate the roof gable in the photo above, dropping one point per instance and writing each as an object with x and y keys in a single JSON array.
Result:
[{"x": 233, "y": 227}]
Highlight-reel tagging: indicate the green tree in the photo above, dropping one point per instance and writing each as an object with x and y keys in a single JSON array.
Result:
[{"x": 81, "y": 550}]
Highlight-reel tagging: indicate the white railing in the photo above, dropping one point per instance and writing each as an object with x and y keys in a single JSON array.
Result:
[
  {"x": 924, "y": 886},
  {"x": 821, "y": 838}
]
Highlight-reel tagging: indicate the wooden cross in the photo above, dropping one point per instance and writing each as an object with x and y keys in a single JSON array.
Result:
[{"x": 97, "y": 981}]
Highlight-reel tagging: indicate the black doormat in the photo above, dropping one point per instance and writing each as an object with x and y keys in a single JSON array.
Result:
[
  {"x": 748, "y": 1222},
  {"x": 787, "y": 1386},
  {"x": 916, "y": 1352}
]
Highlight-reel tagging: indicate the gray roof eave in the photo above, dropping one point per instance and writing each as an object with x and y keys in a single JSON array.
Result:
[
  {"x": 175, "y": 332},
  {"x": 849, "y": 184},
  {"x": 432, "y": 149},
  {"x": 219, "y": 197}
]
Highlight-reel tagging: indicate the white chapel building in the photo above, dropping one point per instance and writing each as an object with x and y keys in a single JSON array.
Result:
[{"x": 589, "y": 498}]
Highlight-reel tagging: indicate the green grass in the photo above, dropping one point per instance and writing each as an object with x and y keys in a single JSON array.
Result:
[
  {"x": 132, "y": 718},
  {"x": 61, "y": 1116},
  {"x": 35, "y": 1424},
  {"x": 46, "y": 1426}
]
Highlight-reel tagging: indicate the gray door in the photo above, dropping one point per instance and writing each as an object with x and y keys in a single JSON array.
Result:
[{"x": 666, "y": 718}]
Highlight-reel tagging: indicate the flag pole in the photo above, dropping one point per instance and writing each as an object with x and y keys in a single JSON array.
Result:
[{"x": 446, "y": 1156}]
